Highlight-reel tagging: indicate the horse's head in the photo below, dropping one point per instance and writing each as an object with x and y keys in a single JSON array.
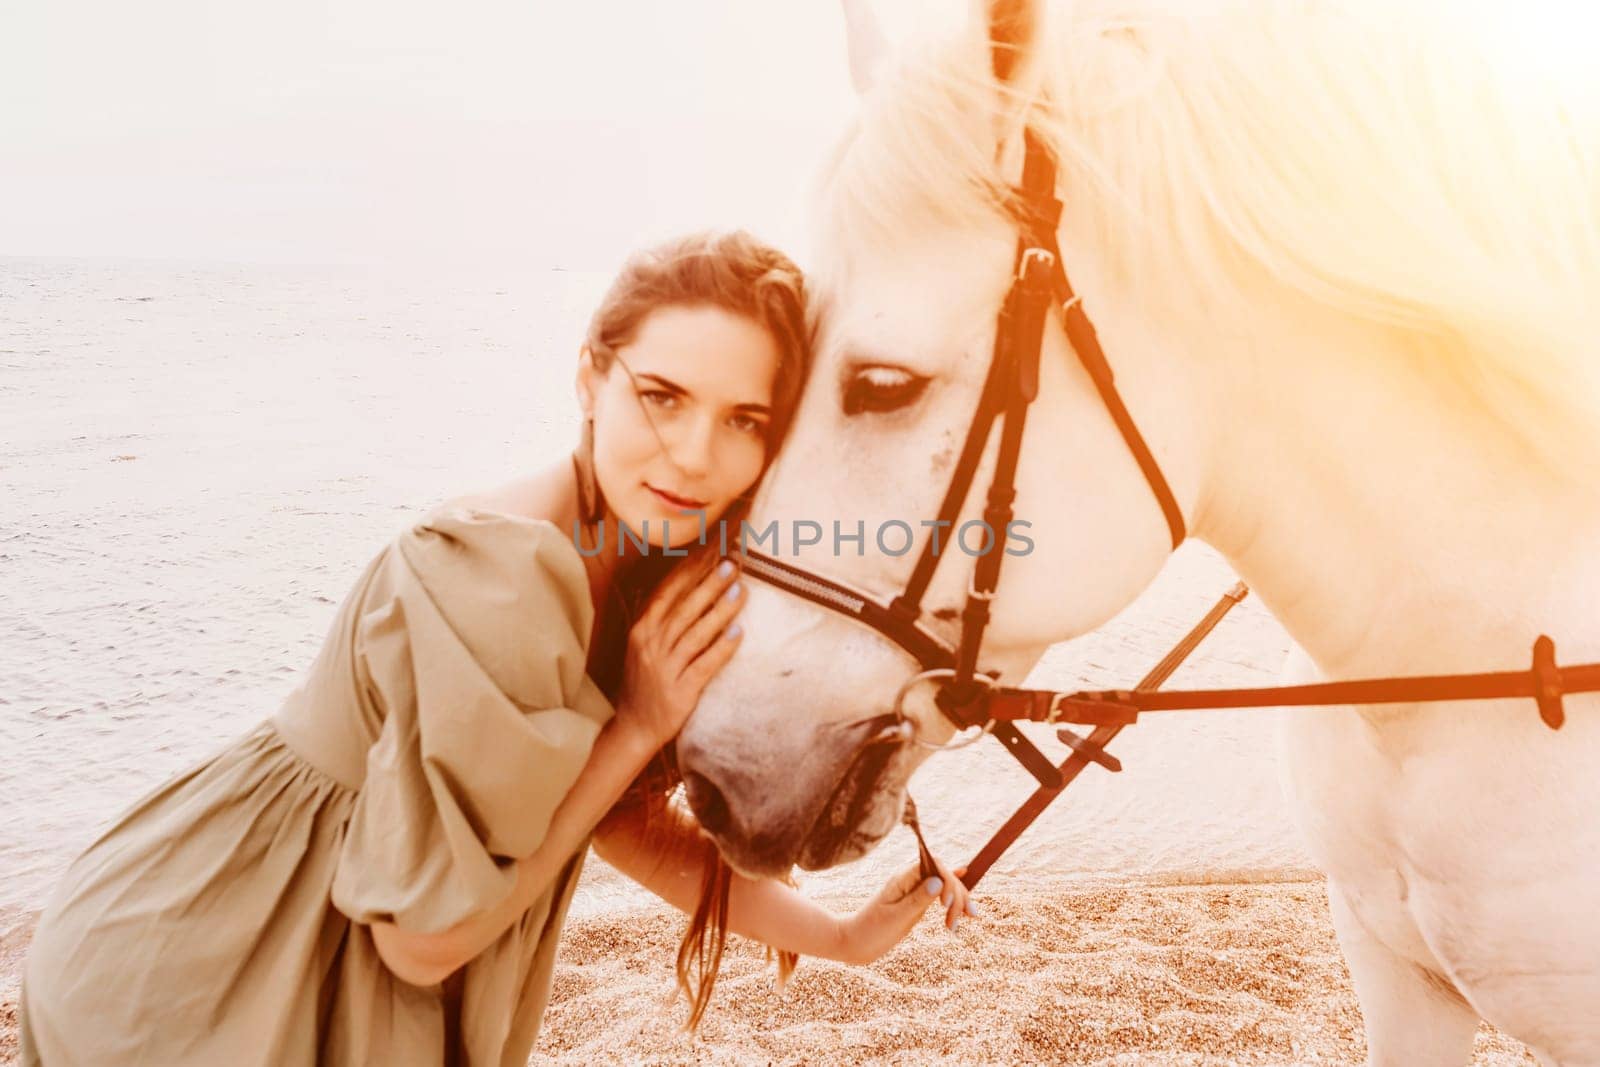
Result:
[
  {"x": 918, "y": 242},
  {"x": 1341, "y": 307}
]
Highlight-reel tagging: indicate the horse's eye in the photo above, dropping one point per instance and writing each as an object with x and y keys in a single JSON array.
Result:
[{"x": 877, "y": 389}]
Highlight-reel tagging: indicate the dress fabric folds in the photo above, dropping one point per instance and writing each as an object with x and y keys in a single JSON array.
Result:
[{"x": 224, "y": 918}]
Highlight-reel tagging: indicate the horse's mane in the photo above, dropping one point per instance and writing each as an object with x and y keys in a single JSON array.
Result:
[{"x": 1432, "y": 168}]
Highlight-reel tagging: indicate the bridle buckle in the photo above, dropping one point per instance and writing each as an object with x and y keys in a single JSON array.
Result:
[
  {"x": 929, "y": 675},
  {"x": 1043, "y": 257}
]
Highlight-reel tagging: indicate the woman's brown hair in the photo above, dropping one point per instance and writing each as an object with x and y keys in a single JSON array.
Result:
[
  {"x": 730, "y": 270},
  {"x": 737, "y": 273}
]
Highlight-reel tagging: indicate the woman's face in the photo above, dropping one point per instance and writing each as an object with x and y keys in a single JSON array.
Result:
[{"x": 686, "y": 432}]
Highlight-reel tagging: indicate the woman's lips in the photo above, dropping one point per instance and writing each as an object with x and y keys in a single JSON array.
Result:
[{"x": 675, "y": 501}]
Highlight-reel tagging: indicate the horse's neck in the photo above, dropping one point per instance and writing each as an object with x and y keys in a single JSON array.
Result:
[{"x": 1387, "y": 520}]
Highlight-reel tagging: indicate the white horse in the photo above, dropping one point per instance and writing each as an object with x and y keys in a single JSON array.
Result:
[{"x": 1345, "y": 262}]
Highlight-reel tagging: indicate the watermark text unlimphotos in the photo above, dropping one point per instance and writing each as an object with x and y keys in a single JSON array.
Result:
[{"x": 894, "y": 537}]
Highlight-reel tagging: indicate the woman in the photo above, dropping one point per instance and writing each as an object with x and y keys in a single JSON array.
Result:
[{"x": 379, "y": 872}]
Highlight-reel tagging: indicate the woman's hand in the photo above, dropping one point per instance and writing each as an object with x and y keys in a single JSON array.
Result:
[
  {"x": 678, "y": 645},
  {"x": 889, "y": 916}
]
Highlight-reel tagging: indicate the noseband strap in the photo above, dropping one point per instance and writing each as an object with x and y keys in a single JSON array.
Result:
[{"x": 908, "y": 633}]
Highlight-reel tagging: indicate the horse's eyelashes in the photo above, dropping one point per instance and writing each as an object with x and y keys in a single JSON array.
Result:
[{"x": 880, "y": 389}]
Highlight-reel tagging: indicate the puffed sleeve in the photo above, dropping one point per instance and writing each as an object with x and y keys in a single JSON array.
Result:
[{"x": 471, "y": 644}]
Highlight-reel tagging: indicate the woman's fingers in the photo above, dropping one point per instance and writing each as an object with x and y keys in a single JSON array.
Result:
[
  {"x": 679, "y": 583},
  {"x": 703, "y": 631},
  {"x": 960, "y": 901},
  {"x": 705, "y": 666},
  {"x": 919, "y": 891},
  {"x": 953, "y": 895},
  {"x": 705, "y": 598}
]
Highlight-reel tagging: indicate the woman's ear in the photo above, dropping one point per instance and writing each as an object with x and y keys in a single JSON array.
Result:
[{"x": 588, "y": 381}]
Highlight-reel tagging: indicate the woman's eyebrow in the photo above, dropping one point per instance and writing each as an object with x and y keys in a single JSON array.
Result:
[
  {"x": 669, "y": 383},
  {"x": 761, "y": 409}
]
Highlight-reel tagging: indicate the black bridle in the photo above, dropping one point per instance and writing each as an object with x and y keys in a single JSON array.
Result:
[
  {"x": 973, "y": 699},
  {"x": 1008, "y": 391}
]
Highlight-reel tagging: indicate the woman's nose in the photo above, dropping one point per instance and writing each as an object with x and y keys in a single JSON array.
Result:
[{"x": 695, "y": 451}]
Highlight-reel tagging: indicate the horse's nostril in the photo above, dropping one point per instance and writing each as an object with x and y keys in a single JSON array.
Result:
[{"x": 707, "y": 803}]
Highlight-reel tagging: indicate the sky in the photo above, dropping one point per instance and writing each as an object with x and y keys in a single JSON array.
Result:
[{"x": 356, "y": 131}]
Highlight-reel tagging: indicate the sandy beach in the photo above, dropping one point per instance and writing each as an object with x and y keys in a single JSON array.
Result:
[
  {"x": 1127, "y": 973},
  {"x": 1159, "y": 973}
]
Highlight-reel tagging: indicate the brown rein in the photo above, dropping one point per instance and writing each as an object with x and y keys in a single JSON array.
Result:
[
  {"x": 1109, "y": 710},
  {"x": 1544, "y": 682}
]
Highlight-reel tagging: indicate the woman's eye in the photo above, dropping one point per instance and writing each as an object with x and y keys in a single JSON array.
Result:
[
  {"x": 659, "y": 397},
  {"x": 879, "y": 389},
  {"x": 749, "y": 424}
]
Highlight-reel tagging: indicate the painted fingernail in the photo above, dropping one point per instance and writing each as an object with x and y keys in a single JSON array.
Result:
[
  {"x": 733, "y": 591},
  {"x": 933, "y": 885},
  {"x": 953, "y": 923},
  {"x": 725, "y": 568},
  {"x": 972, "y": 908},
  {"x": 733, "y": 631}
]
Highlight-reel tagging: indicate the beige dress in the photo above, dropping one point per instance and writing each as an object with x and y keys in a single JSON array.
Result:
[{"x": 221, "y": 921}]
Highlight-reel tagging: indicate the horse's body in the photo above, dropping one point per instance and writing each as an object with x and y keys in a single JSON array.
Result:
[{"x": 1344, "y": 273}]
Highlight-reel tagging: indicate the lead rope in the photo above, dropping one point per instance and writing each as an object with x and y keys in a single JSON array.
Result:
[{"x": 924, "y": 857}]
